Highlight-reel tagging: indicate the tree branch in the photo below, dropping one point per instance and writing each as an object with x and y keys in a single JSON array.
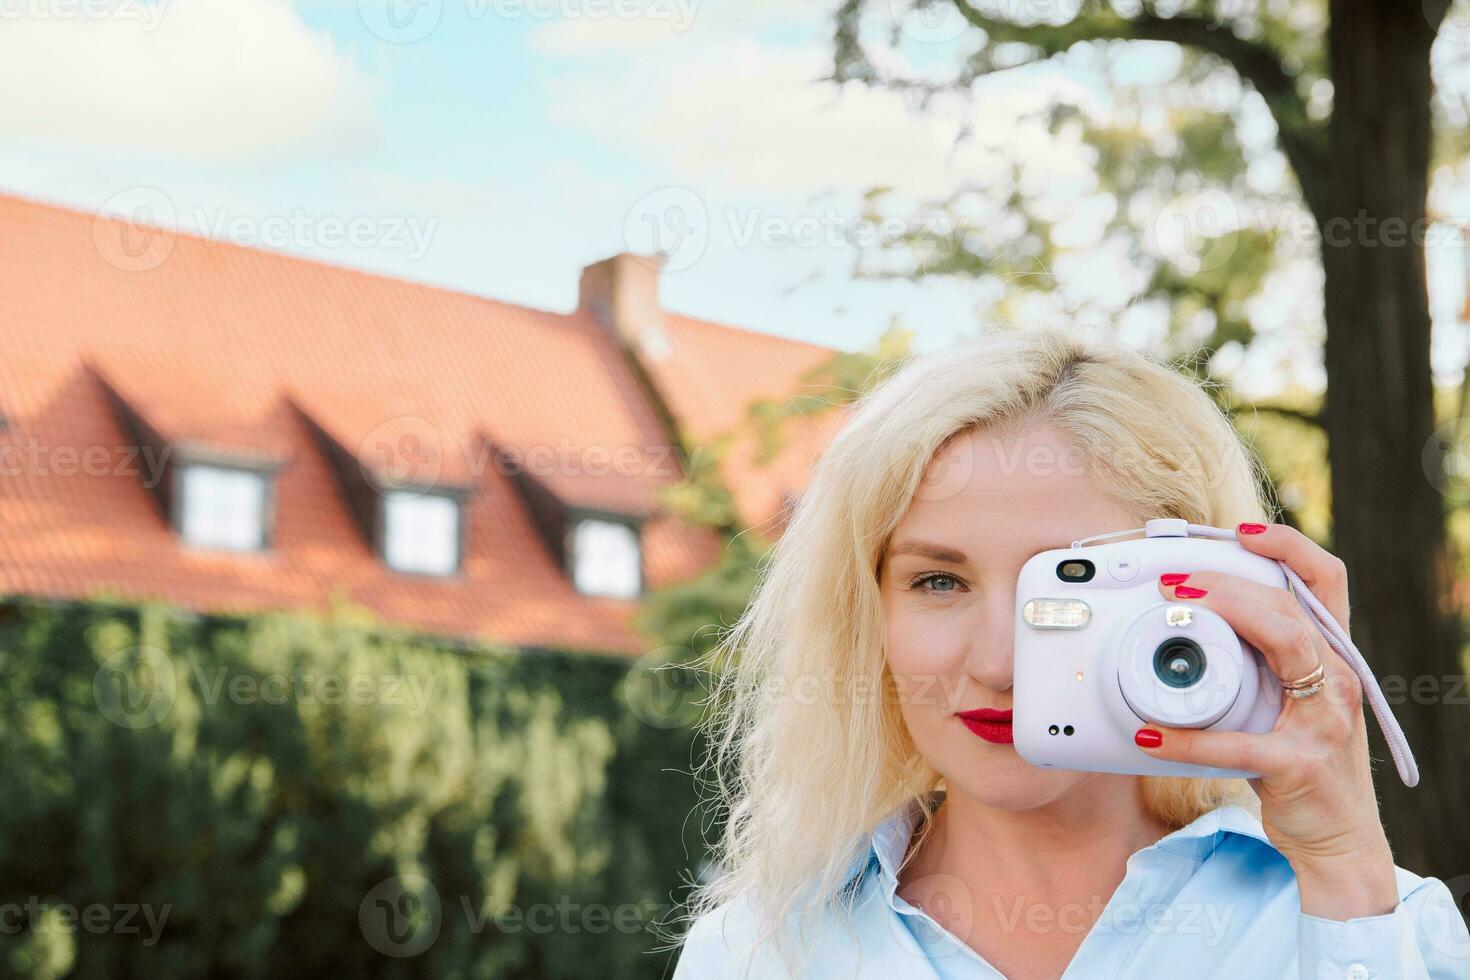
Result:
[
  {"x": 1285, "y": 411},
  {"x": 1303, "y": 140}
]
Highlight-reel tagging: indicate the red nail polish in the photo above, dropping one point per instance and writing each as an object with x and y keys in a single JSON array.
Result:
[
  {"x": 1148, "y": 738},
  {"x": 1248, "y": 528},
  {"x": 1189, "y": 592},
  {"x": 1173, "y": 578}
]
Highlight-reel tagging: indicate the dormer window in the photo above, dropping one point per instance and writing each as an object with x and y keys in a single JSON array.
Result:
[
  {"x": 605, "y": 558},
  {"x": 222, "y": 506},
  {"x": 421, "y": 532}
]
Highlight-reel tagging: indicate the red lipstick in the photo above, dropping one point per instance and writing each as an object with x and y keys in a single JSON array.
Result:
[{"x": 989, "y": 724}]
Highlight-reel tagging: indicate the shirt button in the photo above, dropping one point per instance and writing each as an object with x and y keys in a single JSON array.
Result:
[{"x": 1358, "y": 972}]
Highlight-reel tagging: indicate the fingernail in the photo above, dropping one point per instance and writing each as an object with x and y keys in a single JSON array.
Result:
[
  {"x": 1148, "y": 738},
  {"x": 1249, "y": 528},
  {"x": 1173, "y": 578},
  {"x": 1189, "y": 592}
]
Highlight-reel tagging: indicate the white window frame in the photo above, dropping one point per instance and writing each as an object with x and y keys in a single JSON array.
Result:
[
  {"x": 386, "y": 547},
  {"x": 187, "y": 489},
  {"x": 585, "y": 581}
]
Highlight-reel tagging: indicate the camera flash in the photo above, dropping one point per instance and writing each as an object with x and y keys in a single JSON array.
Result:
[
  {"x": 1056, "y": 614},
  {"x": 1079, "y": 675},
  {"x": 1179, "y": 616}
]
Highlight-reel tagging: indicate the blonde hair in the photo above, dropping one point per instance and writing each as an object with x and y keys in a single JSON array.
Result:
[{"x": 801, "y": 783}]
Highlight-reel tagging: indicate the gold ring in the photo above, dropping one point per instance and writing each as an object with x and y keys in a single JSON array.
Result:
[
  {"x": 1304, "y": 692},
  {"x": 1313, "y": 680}
]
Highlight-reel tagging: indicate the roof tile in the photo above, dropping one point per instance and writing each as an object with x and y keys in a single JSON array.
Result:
[{"x": 238, "y": 351}]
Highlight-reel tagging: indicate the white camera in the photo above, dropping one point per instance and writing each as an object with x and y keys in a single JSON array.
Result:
[{"x": 1100, "y": 654}]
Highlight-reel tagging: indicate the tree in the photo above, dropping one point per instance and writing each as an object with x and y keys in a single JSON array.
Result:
[
  {"x": 1348, "y": 87},
  {"x": 689, "y": 617},
  {"x": 295, "y": 795}
]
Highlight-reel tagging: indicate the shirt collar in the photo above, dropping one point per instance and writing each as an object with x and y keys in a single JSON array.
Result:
[{"x": 1195, "y": 840}]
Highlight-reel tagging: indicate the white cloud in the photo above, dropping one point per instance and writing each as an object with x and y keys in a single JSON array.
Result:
[
  {"x": 754, "y": 116},
  {"x": 733, "y": 120},
  {"x": 214, "y": 81},
  {"x": 645, "y": 24}
]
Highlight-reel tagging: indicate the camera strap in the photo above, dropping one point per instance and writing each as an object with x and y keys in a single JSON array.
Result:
[{"x": 1336, "y": 636}]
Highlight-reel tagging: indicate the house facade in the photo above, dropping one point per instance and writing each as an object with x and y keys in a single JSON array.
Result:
[{"x": 233, "y": 430}]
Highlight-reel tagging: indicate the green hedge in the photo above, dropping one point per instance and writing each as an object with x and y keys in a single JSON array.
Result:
[{"x": 288, "y": 796}]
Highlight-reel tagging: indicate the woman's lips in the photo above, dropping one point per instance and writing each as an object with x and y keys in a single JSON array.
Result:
[{"x": 989, "y": 724}]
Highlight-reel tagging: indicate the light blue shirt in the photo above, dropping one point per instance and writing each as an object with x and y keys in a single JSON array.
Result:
[{"x": 1212, "y": 899}]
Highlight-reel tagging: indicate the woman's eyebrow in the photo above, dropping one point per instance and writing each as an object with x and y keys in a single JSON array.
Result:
[{"x": 925, "y": 549}]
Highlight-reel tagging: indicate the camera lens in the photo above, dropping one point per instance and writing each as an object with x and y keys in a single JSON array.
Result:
[
  {"x": 1076, "y": 570},
  {"x": 1179, "y": 662}
]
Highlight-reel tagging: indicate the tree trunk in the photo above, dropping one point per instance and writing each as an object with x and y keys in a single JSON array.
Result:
[{"x": 1389, "y": 521}]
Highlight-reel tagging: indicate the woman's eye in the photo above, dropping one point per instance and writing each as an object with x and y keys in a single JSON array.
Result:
[{"x": 937, "y": 582}]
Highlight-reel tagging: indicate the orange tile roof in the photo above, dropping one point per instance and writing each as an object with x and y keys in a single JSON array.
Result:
[
  {"x": 710, "y": 379},
  {"x": 250, "y": 353}
]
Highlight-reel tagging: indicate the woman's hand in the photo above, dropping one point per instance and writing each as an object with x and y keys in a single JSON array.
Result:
[{"x": 1318, "y": 806}]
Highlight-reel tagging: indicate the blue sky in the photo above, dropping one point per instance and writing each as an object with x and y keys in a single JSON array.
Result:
[
  {"x": 497, "y": 146},
  {"x": 517, "y": 138}
]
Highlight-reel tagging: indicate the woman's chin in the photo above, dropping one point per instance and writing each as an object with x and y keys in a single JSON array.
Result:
[{"x": 1013, "y": 783}]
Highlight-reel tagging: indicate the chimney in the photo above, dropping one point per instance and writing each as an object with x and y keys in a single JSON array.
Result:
[{"x": 621, "y": 293}]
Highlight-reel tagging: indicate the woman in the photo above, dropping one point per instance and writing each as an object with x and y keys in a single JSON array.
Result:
[{"x": 872, "y": 831}]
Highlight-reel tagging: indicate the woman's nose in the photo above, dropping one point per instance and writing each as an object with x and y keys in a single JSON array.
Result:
[{"x": 991, "y": 660}]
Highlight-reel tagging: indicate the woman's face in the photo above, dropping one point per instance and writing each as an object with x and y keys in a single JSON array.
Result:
[{"x": 988, "y": 503}]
